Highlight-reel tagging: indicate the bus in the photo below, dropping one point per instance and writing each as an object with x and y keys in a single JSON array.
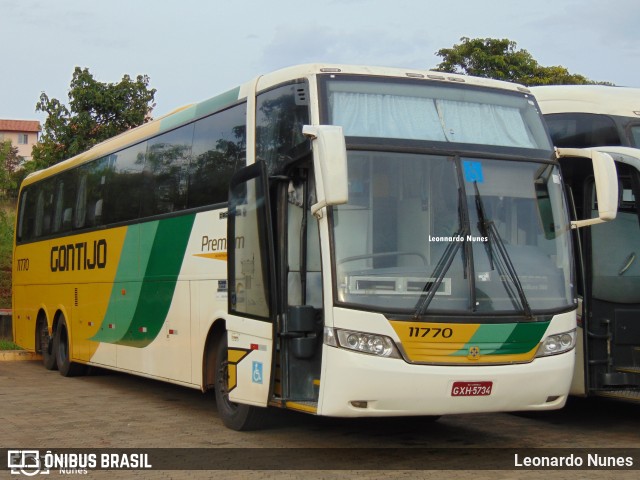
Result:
[
  {"x": 607, "y": 119},
  {"x": 345, "y": 241}
]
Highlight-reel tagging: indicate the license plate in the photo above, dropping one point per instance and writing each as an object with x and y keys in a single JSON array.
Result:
[{"x": 471, "y": 389}]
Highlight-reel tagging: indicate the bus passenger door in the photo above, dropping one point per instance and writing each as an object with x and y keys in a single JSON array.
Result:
[
  {"x": 300, "y": 274},
  {"x": 252, "y": 287}
]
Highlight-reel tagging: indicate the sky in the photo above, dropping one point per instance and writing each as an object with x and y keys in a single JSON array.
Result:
[{"x": 195, "y": 49}]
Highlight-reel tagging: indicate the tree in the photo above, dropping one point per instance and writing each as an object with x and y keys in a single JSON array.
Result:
[
  {"x": 9, "y": 163},
  {"x": 96, "y": 112},
  {"x": 500, "y": 59}
]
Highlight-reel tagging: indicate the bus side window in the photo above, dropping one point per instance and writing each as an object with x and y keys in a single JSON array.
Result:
[
  {"x": 124, "y": 186},
  {"x": 167, "y": 163},
  {"x": 96, "y": 173},
  {"x": 280, "y": 115},
  {"x": 26, "y": 227},
  {"x": 81, "y": 202},
  {"x": 219, "y": 150}
]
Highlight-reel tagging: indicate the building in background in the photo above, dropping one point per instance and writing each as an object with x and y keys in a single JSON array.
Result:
[{"x": 22, "y": 133}]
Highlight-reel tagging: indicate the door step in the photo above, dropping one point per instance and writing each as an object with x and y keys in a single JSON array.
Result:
[
  {"x": 631, "y": 369},
  {"x": 307, "y": 407},
  {"x": 628, "y": 395}
]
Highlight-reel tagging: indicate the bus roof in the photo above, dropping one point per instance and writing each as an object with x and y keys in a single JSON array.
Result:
[
  {"x": 194, "y": 111},
  {"x": 600, "y": 99}
]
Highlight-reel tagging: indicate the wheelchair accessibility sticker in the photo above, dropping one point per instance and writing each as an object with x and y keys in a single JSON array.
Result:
[{"x": 257, "y": 372}]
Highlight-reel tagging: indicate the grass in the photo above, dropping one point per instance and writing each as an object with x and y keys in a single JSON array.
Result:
[{"x": 8, "y": 345}]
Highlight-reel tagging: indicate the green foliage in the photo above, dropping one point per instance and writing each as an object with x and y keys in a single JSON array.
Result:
[
  {"x": 9, "y": 176},
  {"x": 97, "y": 111},
  {"x": 6, "y": 246},
  {"x": 501, "y": 60}
]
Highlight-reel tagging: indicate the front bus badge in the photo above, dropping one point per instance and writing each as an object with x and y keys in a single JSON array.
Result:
[{"x": 474, "y": 353}]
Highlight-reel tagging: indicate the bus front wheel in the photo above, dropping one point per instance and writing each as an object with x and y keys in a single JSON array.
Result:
[
  {"x": 234, "y": 415},
  {"x": 61, "y": 344}
]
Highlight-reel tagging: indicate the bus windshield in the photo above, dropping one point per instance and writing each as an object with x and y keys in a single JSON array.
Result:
[
  {"x": 481, "y": 235},
  {"x": 635, "y": 136},
  {"x": 425, "y": 233}
]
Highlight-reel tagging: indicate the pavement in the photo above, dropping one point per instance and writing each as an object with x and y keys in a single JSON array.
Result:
[{"x": 40, "y": 409}]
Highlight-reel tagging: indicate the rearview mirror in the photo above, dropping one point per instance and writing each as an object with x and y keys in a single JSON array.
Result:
[
  {"x": 606, "y": 180},
  {"x": 330, "y": 162}
]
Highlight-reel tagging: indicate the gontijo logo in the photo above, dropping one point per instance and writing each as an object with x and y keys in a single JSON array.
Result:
[{"x": 79, "y": 256}]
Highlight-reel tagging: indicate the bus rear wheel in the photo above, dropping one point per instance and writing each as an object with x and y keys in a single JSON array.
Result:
[
  {"x": 61, "y": 344},
  {"x": 46, "y": 344},
  {"x": 234, "y": 415}
]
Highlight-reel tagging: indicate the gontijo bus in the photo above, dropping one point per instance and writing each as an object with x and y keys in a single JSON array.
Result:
[
  {"x": 339, "y": 240},
  {"x": 607, "y": 119}
]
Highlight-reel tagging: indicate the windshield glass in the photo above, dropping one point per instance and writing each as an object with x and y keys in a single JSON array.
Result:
[
  {"x": 635, "y": 136},
  {"x": 403, "y": 108},
  {"x": 476, "y": 218}
]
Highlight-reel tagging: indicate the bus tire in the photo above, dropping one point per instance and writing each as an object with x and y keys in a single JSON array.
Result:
[
  {"x": 61, "y": 346},
  {"x": 46, "y": 345},
  {"x": 235, "y": 416}
]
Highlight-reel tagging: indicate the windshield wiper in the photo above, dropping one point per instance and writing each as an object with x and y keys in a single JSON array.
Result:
[
  {"x": 442, "y": 267},
  {"x": 445, "y": 261},
  {"x": 490, "y": 232}
]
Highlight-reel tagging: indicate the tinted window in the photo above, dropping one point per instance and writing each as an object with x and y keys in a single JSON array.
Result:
[
  {"x": 219, "y": 149},
  {"x": 166, "y": 172},
  {"x": 580, "y": 130},
  {"x": 66, "y": 187},
  {"x": 280, "y": 115},
  {"x": 124, "y": 182},
  {"x": 188, "y": 167},
  {"x": 44, "y": 208},
  {"x": 27, "y": 222},
  {"x": 91, "y": 193}
]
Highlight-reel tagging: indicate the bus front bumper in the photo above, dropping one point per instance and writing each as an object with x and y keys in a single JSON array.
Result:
[{"x": 360, "y": 385}]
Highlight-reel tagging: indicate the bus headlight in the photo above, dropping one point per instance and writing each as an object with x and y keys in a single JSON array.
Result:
[
  {"x": 370, "y": 343},
  {"x": 557, "y": 343}
]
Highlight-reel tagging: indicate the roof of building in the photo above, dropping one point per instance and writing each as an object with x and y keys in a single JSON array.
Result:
[{"x": 19, "y": 126}]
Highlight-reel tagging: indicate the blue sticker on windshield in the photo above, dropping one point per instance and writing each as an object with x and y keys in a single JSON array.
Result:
[{"x": 472, "y": 171}]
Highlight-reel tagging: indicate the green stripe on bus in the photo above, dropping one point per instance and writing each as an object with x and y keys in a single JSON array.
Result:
[
  {"x": 126, "y": 285},
  {"x": 505, "y": 339},
  {"x": 160, "y": 279},
  {"x": 201, "y": 109},
  {"x": 524, "y": 338}
]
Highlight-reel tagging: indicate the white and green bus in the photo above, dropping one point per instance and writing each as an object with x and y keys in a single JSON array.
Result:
[
  {"x": 606, "y": 119},
  {"x": 338, "y": 240}
]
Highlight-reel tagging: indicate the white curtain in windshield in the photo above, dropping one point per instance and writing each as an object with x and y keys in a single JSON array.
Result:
[
  {"x": 421, "y": 118},
  {"x": 466, "y": 122},
  {"x": 388, "y": 116}
]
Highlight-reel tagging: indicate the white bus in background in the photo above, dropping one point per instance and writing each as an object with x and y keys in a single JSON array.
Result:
[{"x": 606, "y": 119}]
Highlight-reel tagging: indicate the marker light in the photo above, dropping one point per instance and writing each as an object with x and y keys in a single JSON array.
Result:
[
  {"x": 557, "y": 343},
  {"x": 370, "y": 343}
]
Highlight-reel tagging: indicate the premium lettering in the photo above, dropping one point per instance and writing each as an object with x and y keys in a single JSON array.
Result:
[{"x": 79, "y": 256}]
